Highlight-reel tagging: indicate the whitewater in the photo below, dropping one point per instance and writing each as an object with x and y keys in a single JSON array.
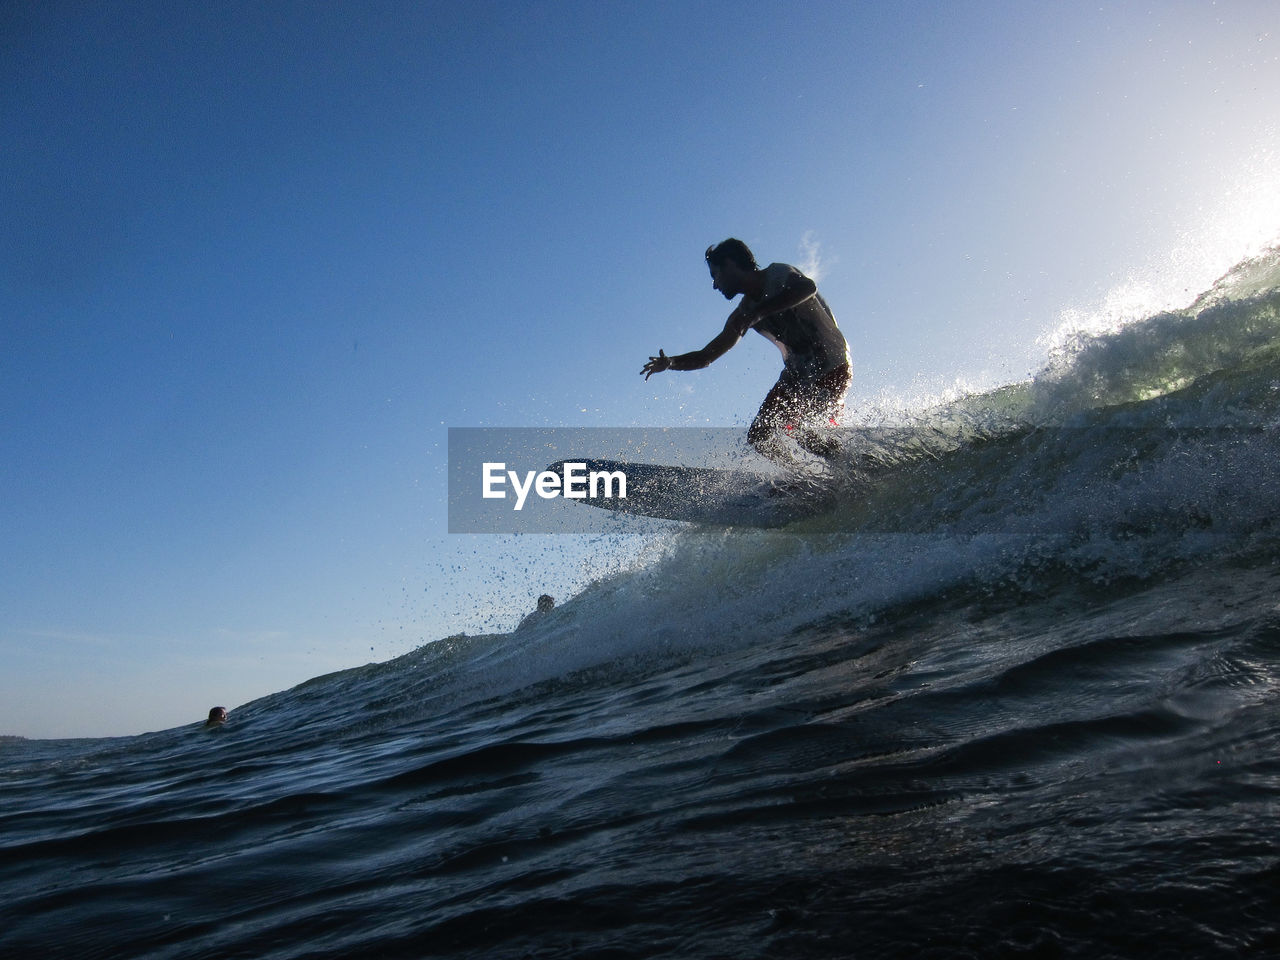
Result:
[{"x": 1020, "y": 700}]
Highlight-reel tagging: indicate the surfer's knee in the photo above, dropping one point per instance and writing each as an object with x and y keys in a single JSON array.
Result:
[
  {"x": 763, "y": 436},
  {"x": 772, "y": 446}
]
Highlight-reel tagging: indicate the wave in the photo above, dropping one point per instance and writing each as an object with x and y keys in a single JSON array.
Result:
[
  {"x": 1233, "y": 326},
  {"x": 1016, "y": 691},
  {"x": 1138, "y": 449}
]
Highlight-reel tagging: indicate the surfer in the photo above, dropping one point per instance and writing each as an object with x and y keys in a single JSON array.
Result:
[
  {"x": 546, "y": 603},
  {"x": 782, "y": 304},
  {"x": 217, "y": 717}
]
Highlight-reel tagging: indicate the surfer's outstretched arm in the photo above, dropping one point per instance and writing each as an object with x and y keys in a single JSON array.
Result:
[{"x": 739, "y": 323}]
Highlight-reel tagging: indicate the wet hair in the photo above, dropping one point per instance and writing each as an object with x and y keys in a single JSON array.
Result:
[
  {"x": 732, "y": 249},
  {"x": 546, "y": 602},
  {"x": 217, "y": 715}
]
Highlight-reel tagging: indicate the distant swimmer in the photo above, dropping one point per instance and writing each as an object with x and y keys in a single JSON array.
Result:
[
  {"x": 546, "y": 604},
  {"x": 217, "y": 717},
  {"x": 783, "y": 305}
]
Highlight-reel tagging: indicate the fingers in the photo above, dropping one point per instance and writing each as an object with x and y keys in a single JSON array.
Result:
[{"x": 656, "y": 364}]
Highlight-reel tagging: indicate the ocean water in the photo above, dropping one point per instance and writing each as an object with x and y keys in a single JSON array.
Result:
[{"x": 1019, "y": 699}]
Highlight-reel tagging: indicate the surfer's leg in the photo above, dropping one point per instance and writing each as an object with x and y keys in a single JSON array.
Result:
[
  {"x": 804, "y": 411},
  {"x": 823, "y": 403},
  {"x": 777, "y": 414}
]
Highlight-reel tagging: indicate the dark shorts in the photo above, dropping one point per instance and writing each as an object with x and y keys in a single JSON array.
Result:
[{"x": 797, "y": 402}]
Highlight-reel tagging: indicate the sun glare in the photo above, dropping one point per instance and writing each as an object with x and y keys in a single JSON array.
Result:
[{"x": 1242, "y": 224}]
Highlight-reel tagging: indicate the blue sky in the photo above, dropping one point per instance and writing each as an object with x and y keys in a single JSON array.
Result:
[{"x": 258, "y": 257}]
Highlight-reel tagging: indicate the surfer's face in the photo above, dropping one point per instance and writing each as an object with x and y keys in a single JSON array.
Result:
[{"x": 725, "y": 277}]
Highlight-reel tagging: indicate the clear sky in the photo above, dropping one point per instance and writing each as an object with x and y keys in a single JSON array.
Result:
[{"x": 257, "y": 257}]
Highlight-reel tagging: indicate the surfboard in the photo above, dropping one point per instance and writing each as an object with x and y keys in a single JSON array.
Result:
[{"x": 705, "y": 495}]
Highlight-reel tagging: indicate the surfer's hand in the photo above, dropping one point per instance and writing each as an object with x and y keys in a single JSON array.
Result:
[{"x": 656, "y": 364}]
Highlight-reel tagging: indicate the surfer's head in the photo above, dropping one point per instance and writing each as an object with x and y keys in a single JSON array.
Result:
[
  {"x": 734, "y": 251},
  {"x": 217, "y": 717},
  {"x": 730, "y": 263},
  {"x": 546, "y": 602}
]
